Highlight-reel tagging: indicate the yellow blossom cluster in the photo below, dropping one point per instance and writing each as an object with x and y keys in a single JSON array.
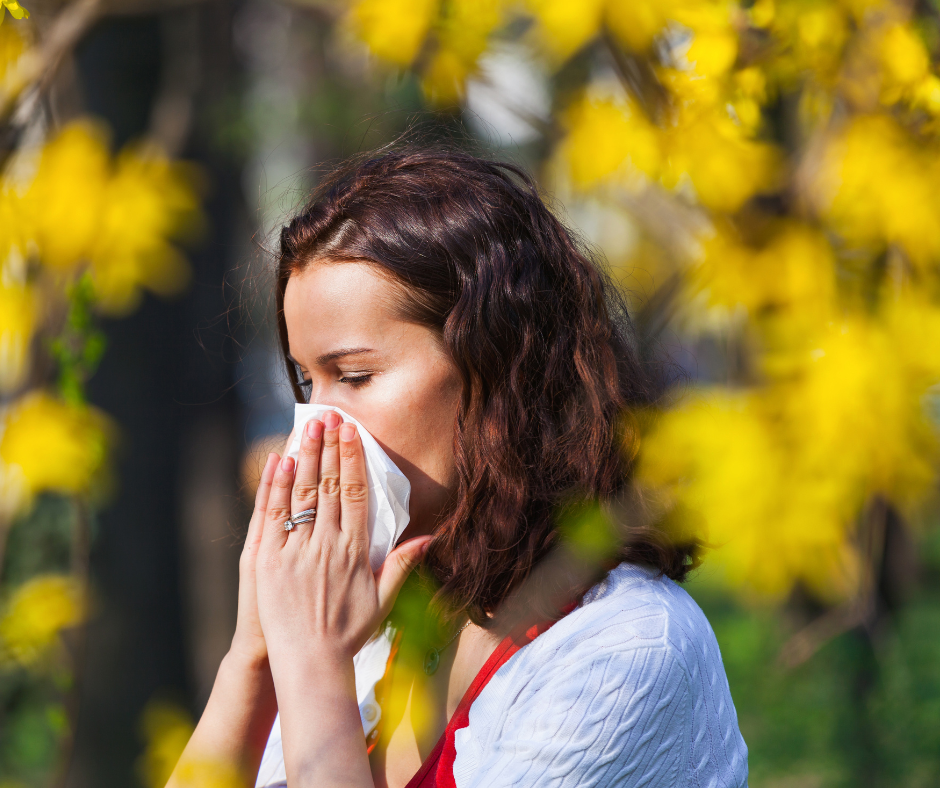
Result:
[
  {"x": 50, "y": 445},
  {"x": 33, "y": 617},
  {"x": 879, "y": 185},
  {"x": 117, "y": 217},
  {"x": 16, "y": 10},
  {"x": 167, "y": 728},
  {"x": 803, "y": 136},
  {"x": 783, "y": 469}
]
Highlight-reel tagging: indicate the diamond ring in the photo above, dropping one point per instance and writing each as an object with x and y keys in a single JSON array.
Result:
[{"x": 306, "y": 516}]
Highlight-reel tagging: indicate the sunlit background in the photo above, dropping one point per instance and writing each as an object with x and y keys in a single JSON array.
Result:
[{"x": 763, "y": 180}]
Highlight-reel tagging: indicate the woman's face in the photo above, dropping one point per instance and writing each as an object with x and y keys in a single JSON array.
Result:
[{"x": 394, "y": 376}]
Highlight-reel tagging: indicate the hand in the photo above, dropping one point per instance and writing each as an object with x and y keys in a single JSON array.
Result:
[
  {"x": 248, "y": 642},
  {"x": 316, "y": 590}
]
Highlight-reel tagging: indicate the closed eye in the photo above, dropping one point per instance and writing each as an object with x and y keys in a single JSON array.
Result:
[{"x": 356, "y": 381}]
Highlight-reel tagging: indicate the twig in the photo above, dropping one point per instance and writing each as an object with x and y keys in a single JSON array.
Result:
[
  {"x": 38, "y": 65},
  {"x": 860, "y": 611},
  {"x": 81, "y": 548}
]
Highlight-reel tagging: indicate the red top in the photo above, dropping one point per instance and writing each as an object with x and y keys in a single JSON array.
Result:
[{"x": 438, "y": 770}]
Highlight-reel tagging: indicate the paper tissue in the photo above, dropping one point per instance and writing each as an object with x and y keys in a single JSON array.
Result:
[{"x": 389, "y": 488}]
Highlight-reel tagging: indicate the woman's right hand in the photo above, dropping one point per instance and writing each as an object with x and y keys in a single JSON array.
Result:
[{"x": 248, "y": 643}]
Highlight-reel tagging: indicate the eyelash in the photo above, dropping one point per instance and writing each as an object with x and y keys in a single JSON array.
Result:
[{"x": 356, "y": 381}]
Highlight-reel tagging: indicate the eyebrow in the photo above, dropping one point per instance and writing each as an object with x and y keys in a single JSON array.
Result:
[{"x": 326, "y": 358}]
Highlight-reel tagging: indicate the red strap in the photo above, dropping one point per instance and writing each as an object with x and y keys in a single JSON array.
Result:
[{"x": 437, "y": 771}]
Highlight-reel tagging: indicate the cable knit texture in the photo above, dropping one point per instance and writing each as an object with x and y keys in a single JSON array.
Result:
[{"x": 626, "y": 690}]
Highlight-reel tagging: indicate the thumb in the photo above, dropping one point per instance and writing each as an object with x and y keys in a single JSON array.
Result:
[{"x": 396, "y": 568}]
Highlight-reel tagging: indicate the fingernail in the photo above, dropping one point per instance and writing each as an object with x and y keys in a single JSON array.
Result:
[
  {"x": 314, "y": 429},
  {"x": 347, "y": 432},
  {"x": 331, "y": 420},
  {"x": 286, "y": 464}
]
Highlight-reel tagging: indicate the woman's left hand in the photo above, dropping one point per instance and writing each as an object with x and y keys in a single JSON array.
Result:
[{"x": 316, "y": 590}]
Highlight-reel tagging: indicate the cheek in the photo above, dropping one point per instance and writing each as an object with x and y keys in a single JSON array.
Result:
[{"x": 419, "y": 431}]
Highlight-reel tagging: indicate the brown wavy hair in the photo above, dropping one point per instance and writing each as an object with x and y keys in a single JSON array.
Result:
[{"x": 543, "y": 342}]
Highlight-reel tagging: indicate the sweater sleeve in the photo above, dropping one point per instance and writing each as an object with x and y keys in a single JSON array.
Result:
[{"x": 616, "y": 718}]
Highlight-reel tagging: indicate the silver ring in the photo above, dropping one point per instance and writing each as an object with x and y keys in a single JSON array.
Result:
[{"x": 306, "y": 516}]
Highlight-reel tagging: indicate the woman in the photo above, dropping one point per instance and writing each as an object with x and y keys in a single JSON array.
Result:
[{"x": 433, "y": 295}]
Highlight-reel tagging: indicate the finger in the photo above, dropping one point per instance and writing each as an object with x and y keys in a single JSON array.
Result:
[
  {"x": 354, "y": 488},
  {"x": 328, "y": 493},
  {"x": 278, "y": 508},
  {"x": 396, "y": 568},
  {"x": 261, "y": 500},
  {"x": 304, "y": 494}
]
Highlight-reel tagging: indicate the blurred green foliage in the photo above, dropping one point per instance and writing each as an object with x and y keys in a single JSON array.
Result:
[{"x": 862, "y": 712}]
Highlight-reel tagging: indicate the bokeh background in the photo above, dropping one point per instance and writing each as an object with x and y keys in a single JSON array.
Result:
[{"x": 762, "y": 179}]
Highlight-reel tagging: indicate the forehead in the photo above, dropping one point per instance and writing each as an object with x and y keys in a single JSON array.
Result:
[{"x": 348, "y": 304}]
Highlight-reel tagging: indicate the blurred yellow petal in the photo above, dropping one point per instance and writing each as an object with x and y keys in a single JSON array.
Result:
[
  {"x": 566, "y": 25},
  {"x": 52, "y": 445},
  {"x": 878, "y": 185},
  {"x": 606, "y": 137},
  {"x": 724, "y": 167},
  {"x": 794, "y": 269},
  {"x": 12, "y": 47},
  {"x": 35, "y": 614},
  {"x": 18, "y": 313},
  {"x": 148, "y": 201},
  {"x": 394, "y": 29},
  {"x": 637, "y": 23},
  {"x": 713, "y": 53},
  {"x": 463, "y": 35},
  {"x": 904, "y": 57},
  {"x": 166, "y": 728},
  {"x": 16, "y": 10},
  {"x": 66, "y": 199}
]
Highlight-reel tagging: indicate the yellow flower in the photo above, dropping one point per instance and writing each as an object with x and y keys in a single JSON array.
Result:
[
  {"x": 148, "y": 200},
  {"x": 607, "y": 137},
  {"x": 117, "y": 218},
  {"x": 810, "y": 36},
  {"x": 793, "y": 269},
  {"x": 166, "y": 729},
  {"x": 566, "y": 25},
  {"x": 723, "y": 165},
  {"x": 394, "y": 29},
  {"x": 904, "y": 57},
  {"x": 52, "y": 445},
  {"x": 36, "y": 613},
  {"x": 16, "y": 10},
  {"x": 462, "y": 36},
  {"x": 18, "y": 311},
  {"x": 730, "y": 477},
  {"x": 877, "y": 185},
  {"x": 12, "y": 47},
  {"x": 67, "y": 197}
]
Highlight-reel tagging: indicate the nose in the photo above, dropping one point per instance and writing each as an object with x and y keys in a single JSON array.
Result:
[{"x": 319, "y": 395}]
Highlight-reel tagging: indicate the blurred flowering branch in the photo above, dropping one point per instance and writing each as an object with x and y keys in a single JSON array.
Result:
[
  {"x": 777, "y": 162},
  {"x": 83, "y": 233}
]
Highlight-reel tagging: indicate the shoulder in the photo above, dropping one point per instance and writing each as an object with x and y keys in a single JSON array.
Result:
[{"x": 634, "y": 672}]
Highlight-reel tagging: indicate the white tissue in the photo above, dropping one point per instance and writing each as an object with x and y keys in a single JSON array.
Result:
[{"x": 389, "y": 488}]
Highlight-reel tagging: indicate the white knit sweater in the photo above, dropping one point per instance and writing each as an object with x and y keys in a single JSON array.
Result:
[{"x": 626, "y": 690}]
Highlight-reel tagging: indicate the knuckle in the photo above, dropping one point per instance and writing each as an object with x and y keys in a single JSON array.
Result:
[
  {"x": 355, "y": 492},
  {"x": 305, "y": 491},
  {"x": 331, "y": 438},
  {"x": 283, "y": 481},
  {"x": 276, "y": 513},
  {"x": 329, "y": 485}
]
